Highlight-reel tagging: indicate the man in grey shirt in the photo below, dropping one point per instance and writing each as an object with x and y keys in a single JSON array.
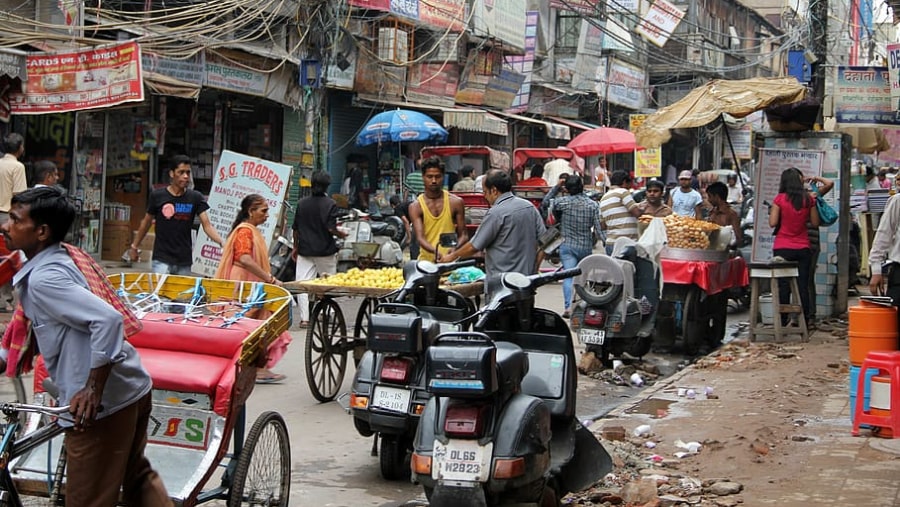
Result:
[
  {"x": 99, "y": 374},
  {"x": 509, "y": 232}
]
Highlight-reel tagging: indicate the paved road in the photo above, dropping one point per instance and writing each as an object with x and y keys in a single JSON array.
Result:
[{"x": 333, "y": 465}]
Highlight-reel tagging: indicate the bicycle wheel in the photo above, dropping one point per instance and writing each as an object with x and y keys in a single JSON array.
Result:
[
  {"x": 361, "y": 329},
  {"x": 13, "y": 389},
  {"x": 263, "y": 473},
  {"x": 325, "y": 353}
]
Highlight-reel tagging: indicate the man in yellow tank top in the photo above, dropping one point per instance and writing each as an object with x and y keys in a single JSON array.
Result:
[{"x": 436, "y": 212}]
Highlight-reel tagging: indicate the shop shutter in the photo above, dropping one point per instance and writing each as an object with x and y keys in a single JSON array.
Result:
[{"x": 345, "y": 122}]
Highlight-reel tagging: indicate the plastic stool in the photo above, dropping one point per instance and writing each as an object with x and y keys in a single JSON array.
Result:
[
  {"x": 773, "y": 271},
  {"x": 886, "y": 362}
]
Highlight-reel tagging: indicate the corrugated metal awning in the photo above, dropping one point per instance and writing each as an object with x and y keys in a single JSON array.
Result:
[
  {"x": 476, "y": 120},
  {"x": 581, "y": 125},
  {"x": 554, "y": 130}
]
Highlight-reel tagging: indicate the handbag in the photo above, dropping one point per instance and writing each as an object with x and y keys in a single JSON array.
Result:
[{"x": 827, "y": 214}]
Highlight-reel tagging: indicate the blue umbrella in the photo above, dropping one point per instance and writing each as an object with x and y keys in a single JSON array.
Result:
[{"x": 400, "y": 125}]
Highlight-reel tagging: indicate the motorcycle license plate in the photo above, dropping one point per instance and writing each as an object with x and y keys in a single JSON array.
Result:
[
  {"x": 462, "y": 460},
  {"x": 391, "y": 398},
  {"x": 592, "y": 336}
]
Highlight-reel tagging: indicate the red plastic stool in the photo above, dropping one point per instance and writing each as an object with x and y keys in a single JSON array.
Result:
[{"x": 885, "y": 362}]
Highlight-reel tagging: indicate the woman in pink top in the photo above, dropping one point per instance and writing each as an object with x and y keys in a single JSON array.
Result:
[{"x": 792, "y": 209}]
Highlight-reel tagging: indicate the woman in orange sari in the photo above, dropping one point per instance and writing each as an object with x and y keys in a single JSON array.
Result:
[{"x": 245, "y": 257}]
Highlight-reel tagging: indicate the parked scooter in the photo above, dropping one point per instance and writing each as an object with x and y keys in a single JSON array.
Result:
[
  {"x": 369, "y": 243},
  {"x": 501, "y": 425},
  {"x": 388, "y": 392},
  {"x": 619, "y": 299}
]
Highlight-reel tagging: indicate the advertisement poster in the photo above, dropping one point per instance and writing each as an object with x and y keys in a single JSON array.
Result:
[
  {"x": 648, "y": 162},
  {"x": 862, "y": 97},
  {"x": 79, "y": 80},
  {"x": 766, "y": 181},
  {"x": 235, "y": 177},
  {"x": 231, "y": 74},
  {"x": 659, "y": 23}
]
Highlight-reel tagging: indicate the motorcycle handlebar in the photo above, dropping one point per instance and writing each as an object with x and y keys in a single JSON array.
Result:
[{"x": 555, "y": 276}]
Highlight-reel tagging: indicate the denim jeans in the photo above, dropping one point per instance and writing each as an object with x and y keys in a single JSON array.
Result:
[
  {"x": 570, "y": 258},
  {"x": 163, "y": 268}
]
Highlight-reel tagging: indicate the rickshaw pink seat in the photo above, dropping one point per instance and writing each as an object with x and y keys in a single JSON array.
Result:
[{"x": 191, "y": 357}]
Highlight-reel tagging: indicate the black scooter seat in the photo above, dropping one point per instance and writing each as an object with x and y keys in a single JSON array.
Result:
[
  {"x": 381, "y": 229},
  {"x": 512, "y": 363}
]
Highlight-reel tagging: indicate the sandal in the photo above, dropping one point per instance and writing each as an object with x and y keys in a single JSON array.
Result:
[
  {"x": 270, "y": 379},
  {"x": 303, "y": 324}
]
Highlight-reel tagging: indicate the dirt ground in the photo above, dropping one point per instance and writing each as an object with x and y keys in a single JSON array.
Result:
[{"x": 759, "y": 412}]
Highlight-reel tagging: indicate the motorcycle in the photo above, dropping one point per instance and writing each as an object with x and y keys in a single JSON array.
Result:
[
  {"x": 500, "y": 427},
  {"x": 388, "y": 392},
  {"x": 369, "y": 243},
  {"x": 619, "y": 297}
]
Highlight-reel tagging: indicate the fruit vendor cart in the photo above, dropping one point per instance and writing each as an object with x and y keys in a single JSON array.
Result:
[
  {"x": 327, "y": 341},
  {"x": 695, "y": 295}
]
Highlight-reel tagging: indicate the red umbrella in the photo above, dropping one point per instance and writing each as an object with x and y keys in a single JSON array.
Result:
[{"x": 603, "y": 140}]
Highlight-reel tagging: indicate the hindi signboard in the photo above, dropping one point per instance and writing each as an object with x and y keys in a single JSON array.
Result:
[
  {"x": 237, "y": 176},
  {"x": 772, "y": 162},
  {"x": 77, "y": 80},
  {"x": 661, "y": 20},
  {"x": 893, "y": 51},
  {"x": 862, "y": 97},
  {"x": 648, "y": 162}
]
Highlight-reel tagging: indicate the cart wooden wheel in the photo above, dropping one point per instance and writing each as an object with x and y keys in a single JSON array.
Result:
[
  {"x": 693, "y": 328},
  {"x": 325, "y": 353},
  {"x": 361, "y": 328},
  {"x": 263, "y": 472}
]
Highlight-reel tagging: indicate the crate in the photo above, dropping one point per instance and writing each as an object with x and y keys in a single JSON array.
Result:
[{"x": 473, "y": 200}]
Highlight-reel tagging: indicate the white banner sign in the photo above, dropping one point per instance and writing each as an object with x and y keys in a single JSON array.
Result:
[
  {"x": 237, "y": 176},
  {"x": 767, "y": 178},
  {"x": 659, "y": 23},
  {"x": 894, "y": 74}
]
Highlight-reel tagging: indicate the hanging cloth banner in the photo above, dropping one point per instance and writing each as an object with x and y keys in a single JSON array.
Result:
[{"x": 77, "y": 80}]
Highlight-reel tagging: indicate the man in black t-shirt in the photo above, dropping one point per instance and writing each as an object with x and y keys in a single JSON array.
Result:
[
  {"x": 315, "y": 226},
  {"x": 174, "y": 208}
]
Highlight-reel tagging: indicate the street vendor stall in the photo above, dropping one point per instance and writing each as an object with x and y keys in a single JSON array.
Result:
[
  {"x": 327, "y": 341},
  {"x": 697, "y": 271}
]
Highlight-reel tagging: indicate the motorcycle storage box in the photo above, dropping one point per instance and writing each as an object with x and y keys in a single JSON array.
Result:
[
  {"x": 462, "y": 370},
  {"x": 402, "y": 333}
]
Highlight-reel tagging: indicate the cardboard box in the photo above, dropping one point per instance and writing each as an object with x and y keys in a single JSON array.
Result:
[{"x": 116, "y": 238}]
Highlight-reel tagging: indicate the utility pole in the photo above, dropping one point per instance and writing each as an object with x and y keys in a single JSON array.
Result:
[{"x": 818, "y": 19}]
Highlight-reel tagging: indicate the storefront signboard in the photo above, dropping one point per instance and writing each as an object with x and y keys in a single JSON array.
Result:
[
  {"x": 659, "y": 22},
  {"x": 78, "y": 80},
  {"x": 647, "y": 163},
  {"x": 236, "y": 176},
  {"x": 893, "y": 51},
  {"x": 862, "y": 97},
  {"x": 12, "y": 65},
  {"x": 741, "y": 139},
  {"x": 190, "y": 70},
  {"x": 523, "y": 64},
  {"x": 433, "y": 83},
  {"x": 503, "y": 20},
  {"x": 224, "y": 74},
  {"x": 766, "y": 181},
  {"x": 622, "y": 83},
  {"x": 443, "y": 14},
  {"x": 582, "y": 6},
  {"x": 501, "y": 89}
]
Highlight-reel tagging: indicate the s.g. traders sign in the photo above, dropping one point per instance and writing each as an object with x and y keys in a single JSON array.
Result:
[{"x": 77, "y": 80}]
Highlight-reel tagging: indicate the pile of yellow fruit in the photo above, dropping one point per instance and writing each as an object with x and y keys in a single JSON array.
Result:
[
  {"x": 684, "y": 232},
  {"x": 384, "y": 278}
]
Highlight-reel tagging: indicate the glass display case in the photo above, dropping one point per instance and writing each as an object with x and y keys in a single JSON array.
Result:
[{"x": 87, "y": 182}]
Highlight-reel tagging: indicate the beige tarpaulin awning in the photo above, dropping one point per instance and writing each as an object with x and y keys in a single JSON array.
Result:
[
  {"x": 706, "y": 103},
  {"x": 165, "y": 85},
  {"x": 865, "y": 139}
]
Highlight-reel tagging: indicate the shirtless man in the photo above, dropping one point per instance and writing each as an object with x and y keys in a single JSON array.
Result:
[
  {"x": 721, "y": 212},
  {"x": 435, "y": 212}
]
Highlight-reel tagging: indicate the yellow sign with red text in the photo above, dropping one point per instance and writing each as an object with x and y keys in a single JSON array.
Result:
[{"x": 647, "y": 163}]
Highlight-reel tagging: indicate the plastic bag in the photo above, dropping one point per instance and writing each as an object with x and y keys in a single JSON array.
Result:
[{"x": 467, "y": 274}]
